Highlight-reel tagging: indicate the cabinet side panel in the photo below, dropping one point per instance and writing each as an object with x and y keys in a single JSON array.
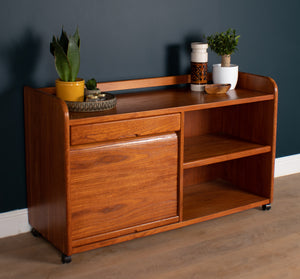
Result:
[
  {"x": 47, "y": 136},
  {"x": 122, "y": 185},
  {"x": 257, "y": 83}
]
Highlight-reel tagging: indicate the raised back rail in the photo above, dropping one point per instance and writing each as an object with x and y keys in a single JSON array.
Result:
[
  {"x": 143, "y": 83},
  {"x": 135, "y": 83},
  {"x": 248, "y": 81}
]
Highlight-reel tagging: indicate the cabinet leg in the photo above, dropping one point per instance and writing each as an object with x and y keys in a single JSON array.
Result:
[
  {"x": 266, "y": 206},
  {"x": 66, "y": 259},
  {"x": 35, "y": 233}
]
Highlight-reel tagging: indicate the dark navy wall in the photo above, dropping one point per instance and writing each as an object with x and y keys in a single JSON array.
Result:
[{"x": 126, "y": 39}]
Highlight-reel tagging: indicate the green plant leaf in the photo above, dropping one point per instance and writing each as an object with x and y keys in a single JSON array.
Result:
[
  {"x": 91, "y": 84},
  {"x": 73, "y": 57},
  {"x": 64, "y": 41},
  {"x": 77, "y": 38},
  {"x": 62, "y": 64},
  {"x": 67, "y": 55},
  {"x": 52, "y": 45},
  {"x": 224, "y": 43}
]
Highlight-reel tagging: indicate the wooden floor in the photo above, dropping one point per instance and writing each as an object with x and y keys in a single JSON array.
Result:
[{"x": 253, "y": 244}]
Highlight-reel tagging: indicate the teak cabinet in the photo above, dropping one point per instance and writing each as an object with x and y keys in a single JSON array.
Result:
[{"x": 162, "y": 159}]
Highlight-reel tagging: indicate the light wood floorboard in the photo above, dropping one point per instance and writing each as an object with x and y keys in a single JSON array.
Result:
[{"x": 252, "y": 244}]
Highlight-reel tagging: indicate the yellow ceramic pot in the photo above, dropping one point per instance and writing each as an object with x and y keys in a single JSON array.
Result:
[{"x": 70, "y": 90}]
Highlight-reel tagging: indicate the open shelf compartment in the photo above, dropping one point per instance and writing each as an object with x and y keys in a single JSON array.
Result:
[
  {"x": 217, "y": 197},
  {"x": 223, "y": 188}
]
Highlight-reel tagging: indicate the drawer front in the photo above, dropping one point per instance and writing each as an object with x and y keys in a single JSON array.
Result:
[
  {"x": 98, "y": 132},
  {"x": 125, "y": 185}
]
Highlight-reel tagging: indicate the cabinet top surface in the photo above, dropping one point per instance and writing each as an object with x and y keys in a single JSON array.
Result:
[
  {"x": 161, "y": 100},
  {"x": 171, "y": 101}
]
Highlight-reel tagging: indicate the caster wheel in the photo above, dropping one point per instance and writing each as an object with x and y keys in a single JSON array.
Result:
[
  {"x": 35, "y": 233},
  {"x": 266, "y": 207},
  {"x": 66, "y": 259}
]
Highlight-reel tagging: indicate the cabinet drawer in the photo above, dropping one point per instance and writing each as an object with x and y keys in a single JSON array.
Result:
[{"x": 131, "y": 128}]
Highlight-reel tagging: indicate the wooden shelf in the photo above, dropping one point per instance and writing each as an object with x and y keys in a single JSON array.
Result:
[
  {"x": 208, "y": 149},
  {"x": 216, "y": 197}
]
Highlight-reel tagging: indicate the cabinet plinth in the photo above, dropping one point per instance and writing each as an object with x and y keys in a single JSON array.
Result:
[{"x": 162, "y": 159}]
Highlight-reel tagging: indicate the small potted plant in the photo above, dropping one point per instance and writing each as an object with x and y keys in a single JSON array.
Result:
[
  {"x": 91, "y": 92},
  {"x": 66, "y": 51},
  {"x": 224, "y": 44},
  {"x": 91, "y": 87}
]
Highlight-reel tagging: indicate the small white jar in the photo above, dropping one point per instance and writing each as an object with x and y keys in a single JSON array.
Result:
[{"x": 199, "y": 59}]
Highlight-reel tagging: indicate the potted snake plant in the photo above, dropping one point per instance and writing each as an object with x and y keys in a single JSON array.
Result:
[
  {"x": 224, "y": 44},
  {"x": 66, "y": 51}
]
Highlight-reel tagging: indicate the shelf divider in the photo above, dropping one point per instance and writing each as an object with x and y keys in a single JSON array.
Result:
[{"x": 209, "y": 149}]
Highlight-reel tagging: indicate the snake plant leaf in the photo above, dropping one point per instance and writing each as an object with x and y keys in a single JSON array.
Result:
[
  {"x": 64, "y": 41},
  {"x": 77, "y": 37},
  {"x": 66, "y": 51},
  {"x": 52, "y": 45},
  {"x": 73, "y": 57},
  {"x": 62, "y": 64}
]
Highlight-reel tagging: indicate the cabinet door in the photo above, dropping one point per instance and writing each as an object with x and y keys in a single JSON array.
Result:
[{"x": 122, "y": 185}]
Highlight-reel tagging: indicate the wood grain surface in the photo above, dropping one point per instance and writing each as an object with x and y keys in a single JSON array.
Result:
[
  {"x": 210, "y": 149},
  {"x": 164, "y": 101},
  {"x": 215, "y": 197},
  {"x": 123, "y": 185},
  {"x": 132, "y": 128},
  {"x": 47, "y": 166}
]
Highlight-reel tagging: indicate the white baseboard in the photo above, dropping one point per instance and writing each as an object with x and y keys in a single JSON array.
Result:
[
  {"x": 287, "y": 165},
  {"x": 16, "y": 221}
]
